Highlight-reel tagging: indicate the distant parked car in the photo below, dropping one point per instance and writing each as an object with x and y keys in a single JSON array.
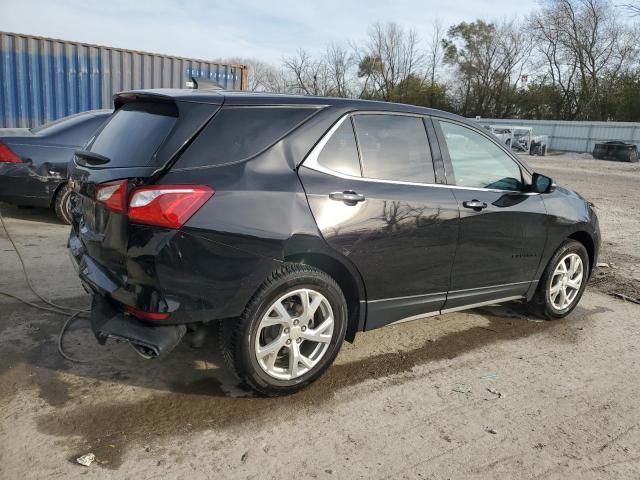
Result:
[
  {"x": 520, "y": 138},
  {"x": 616, "y": 150},
  {"x": 33, "y": 162}
]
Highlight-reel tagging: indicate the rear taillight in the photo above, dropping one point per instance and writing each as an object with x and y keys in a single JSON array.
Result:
[
  {"x": 7, "y": 155},
  {"x": 160, "y": 205},
  {"x": 167, "y": 205},
  {"x": 113, "y": 195}
]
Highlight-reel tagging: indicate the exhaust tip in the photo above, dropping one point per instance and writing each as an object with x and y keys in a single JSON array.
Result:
[{"x": 144, "y": 351}]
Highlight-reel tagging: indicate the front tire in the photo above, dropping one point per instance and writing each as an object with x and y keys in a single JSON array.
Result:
[
  {"x": 62, "y": 205},
  {"x": 563, "y": 282},
  {"x": 290, "y": 332}
]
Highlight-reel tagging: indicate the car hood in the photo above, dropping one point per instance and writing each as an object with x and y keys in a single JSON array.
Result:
[{"x": 570, "y": 193}]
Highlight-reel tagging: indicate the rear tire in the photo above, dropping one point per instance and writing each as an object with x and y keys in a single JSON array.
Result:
[
  {"x": 280, "y": 344},
  {"x": 560, "y": 289},
  {"x": 61, "y": 204}
]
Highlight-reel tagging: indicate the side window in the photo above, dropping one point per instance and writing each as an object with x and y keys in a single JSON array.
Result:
[
  {"x": 340, "y": 153},
  {"x": 394, "y": 147},
  {"x": 239, "y": 133},
  {"x": 478, "y": 162}
]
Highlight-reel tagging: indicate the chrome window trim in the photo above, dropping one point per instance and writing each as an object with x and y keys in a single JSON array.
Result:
[{"x": 311, "y": 161}]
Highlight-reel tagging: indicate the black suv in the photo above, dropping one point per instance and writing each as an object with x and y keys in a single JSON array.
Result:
[{"x": 295, "y": 222}]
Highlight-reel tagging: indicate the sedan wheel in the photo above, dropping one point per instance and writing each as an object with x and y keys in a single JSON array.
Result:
[
  {"x": 289, "y": 333},
  {"x": 563, "y": 281},
  {"x": 566, "y": 281},
  {"x": 294, "y": 334}
]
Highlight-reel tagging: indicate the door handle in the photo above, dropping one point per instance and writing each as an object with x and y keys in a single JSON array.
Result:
[
  {"x": 348, "y": 197},
  {"x": 474, "y": 204}
]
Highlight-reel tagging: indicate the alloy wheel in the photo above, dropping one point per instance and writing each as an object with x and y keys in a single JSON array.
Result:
[
  {"x": 566, "y": 281},
  {"x": 294, "y": 334}
]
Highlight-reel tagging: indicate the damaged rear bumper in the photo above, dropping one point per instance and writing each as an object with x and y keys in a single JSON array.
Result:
[{"x": 107, "y": 321}]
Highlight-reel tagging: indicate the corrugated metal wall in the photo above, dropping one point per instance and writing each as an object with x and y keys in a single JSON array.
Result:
[
  {"x": 576, "y": 136},
  {"x": 42, "y": 79}
]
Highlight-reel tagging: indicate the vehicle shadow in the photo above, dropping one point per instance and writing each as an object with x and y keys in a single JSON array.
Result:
[
  {"x": 30, "y": 214},
  {"x": 189, "y": 390}
]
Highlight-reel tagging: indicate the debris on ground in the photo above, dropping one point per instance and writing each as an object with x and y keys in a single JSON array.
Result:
[
  {"x": 626, "y": 298},
  {"x": 244, "y": 457},
  {"x": 492, "y": 431},
  {"x": 602, "y": 265},
  {"x": 489, "y": 376},
  {"x": 86, "y": 460},
  {"x": 495, "y": 392},
  {"x": 460, "y": 388}
]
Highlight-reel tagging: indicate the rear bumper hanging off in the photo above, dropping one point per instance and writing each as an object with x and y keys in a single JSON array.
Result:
[{"x": 109, "y": 322}]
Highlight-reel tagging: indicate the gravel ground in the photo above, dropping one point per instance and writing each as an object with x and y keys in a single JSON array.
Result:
[{"x": 489, "y": 393}]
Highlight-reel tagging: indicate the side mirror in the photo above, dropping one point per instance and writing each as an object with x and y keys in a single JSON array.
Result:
[{"x": 542, "y": 184}]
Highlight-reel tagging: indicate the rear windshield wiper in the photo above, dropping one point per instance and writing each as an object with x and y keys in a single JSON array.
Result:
[{"x": 92, "y": 158}]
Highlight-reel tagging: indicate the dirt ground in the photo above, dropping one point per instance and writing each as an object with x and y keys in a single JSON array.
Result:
[{"x": 489, "y": 393}]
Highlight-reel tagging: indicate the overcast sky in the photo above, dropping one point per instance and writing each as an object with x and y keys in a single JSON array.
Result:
[{"x": 267, "y": 30}]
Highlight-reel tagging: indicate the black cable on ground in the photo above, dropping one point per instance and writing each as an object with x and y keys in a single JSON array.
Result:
[
  {"x": 72, "y": 313},
  {"x": 26, "y": 275},
  {"x": 64, "y": 354},
  {"x": 34, "y": 305}
]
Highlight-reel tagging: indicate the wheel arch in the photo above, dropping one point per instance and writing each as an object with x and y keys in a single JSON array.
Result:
[
  {"x": 349, "y": 281},
  {"x": 587, "y": 241},
  {"x": 583, "y": 237},
  {"x": 55, "y": 193}
]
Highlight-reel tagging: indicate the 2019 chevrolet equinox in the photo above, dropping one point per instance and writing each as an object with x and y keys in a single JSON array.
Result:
[{"x": 295, "y": 222}]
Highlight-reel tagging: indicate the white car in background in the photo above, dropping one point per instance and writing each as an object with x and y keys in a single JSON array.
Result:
[{"x": 520, "y": 138}]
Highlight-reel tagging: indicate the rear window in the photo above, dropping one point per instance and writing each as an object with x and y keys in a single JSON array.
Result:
[
  {"x": 239, "y": 133},
  {"x": 394, "y": 147},
  {"x": 134, "y": 133},
  {"x": 341, "y": 152}
]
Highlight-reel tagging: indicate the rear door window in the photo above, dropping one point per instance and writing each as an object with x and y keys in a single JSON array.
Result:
[
  {"x": 134, "y": 133},
  {"x": 239, "y": 133},
  {"x": 340, "y": 153},
  {"x": 394, "y": 147}
]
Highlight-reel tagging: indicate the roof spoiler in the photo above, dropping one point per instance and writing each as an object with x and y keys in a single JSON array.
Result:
[
  {"x": 121, "y": 98},
  {"x": 203, "y": 84}
]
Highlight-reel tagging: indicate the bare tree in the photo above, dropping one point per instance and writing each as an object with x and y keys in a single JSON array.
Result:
[
  {"x": 340, "y": 64},
  {"x": 388, "y": 58},
  {"x": 632, "y": 8},
  {"x": 308, "y": 76},
  {"x": 488, "y": 62},
  {"x": 435, "y": 51},
  {"x": 583, "y": 42},
  {"x": 262, "y": 76}
]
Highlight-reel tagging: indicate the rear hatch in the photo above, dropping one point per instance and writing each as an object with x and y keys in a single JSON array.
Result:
[{"x": 139, "y": 142}]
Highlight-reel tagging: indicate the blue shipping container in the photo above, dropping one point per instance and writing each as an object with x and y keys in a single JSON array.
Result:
[{"x": 43, "y": 79}]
